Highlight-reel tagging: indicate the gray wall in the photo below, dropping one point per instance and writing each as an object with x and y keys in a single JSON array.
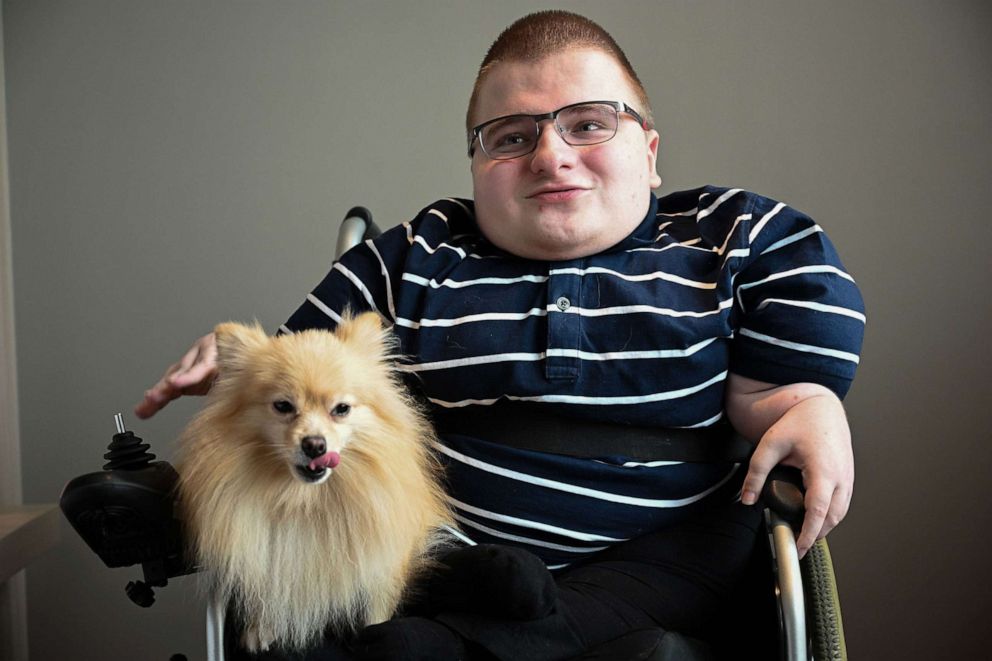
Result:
[{"x": 175, "y": 164}]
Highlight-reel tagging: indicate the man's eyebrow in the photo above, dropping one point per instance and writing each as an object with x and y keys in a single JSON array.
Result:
[{"x": 514, "y": 114}]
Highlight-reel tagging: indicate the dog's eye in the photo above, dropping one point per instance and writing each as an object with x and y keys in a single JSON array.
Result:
[
  {"x": 282, "y": 406},
  {"x": 341, "y": 410}
]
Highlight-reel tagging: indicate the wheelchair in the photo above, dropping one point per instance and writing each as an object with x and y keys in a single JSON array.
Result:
[{"x": 791, "y": 608}]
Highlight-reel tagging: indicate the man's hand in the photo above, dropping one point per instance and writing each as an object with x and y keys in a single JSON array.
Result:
[
  {"x": 801, "y": 425},
  {"x": 192, "y": 375}
]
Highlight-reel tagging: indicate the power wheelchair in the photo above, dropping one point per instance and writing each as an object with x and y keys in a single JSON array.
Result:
[{"x": 125, "y": 514}]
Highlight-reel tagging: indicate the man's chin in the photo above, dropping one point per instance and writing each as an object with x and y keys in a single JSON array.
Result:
[
  {"x": 548, "y": 233},
  {"x": 556, "y": 248}
]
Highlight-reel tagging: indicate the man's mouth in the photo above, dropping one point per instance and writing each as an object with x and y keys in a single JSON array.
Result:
[{"x": 556, "y": 194}]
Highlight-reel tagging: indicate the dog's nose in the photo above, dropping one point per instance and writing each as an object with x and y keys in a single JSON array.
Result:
[{"x": 314, "y": 446}]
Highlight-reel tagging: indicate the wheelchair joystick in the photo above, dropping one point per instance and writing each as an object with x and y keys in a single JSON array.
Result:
[
  {"x": 125, "y": 513},
  {"x": 126, "y": 451}
]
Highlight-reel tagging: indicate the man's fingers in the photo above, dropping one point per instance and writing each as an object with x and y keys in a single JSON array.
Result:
[
  {"x": 191, "y": 358},
  {"x": 156, "y": 398},
  {"x": 766, "y": 456},
  {"x": 192, "y": 375},
  {"x": 145, "y": 408},
  {"x": 818, "y": 501},
  {"x": 839, "y": 504},
  {"x": 194, "y": 372}
]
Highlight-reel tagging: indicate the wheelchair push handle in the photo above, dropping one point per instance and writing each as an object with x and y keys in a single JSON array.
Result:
[{"x": 356, "y": 227}]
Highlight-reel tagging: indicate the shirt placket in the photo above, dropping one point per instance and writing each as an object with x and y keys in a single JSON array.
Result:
[{"x": 564, "y": 323}]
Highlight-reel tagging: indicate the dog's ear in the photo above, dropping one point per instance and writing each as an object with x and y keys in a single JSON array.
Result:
[
  {"x": 237, "y": 341},
  {"x": 364, "y": 330}
]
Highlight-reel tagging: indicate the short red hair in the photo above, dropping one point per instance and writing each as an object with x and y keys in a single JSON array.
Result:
[{"x": 545, "y": 33}]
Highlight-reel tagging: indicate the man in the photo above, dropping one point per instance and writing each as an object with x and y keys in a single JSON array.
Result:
[{"x": 566, "y": 286}]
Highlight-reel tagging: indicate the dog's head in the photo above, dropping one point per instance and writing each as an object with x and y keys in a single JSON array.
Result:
[{"x": 303, "y": 398}]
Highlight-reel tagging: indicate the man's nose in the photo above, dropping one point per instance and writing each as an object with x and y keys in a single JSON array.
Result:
[{"x": 551, "y": 152}]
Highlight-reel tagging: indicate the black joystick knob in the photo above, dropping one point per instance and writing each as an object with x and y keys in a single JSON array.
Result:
[{"x": 126, "y": 451}]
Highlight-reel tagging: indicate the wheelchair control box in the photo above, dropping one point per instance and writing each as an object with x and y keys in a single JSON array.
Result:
[{"x": 126, "y": 513}]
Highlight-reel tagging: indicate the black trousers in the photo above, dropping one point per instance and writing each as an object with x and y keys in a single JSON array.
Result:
[{"x": 681, "y": 579}]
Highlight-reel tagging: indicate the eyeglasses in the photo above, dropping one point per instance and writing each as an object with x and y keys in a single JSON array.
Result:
[{"x": 586, "y": 123}]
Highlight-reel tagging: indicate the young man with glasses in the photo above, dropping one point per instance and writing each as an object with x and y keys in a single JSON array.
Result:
[{"x": 567, "y": 286}]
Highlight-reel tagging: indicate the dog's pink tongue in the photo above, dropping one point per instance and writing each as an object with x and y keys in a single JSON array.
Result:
[{"x": 326, "y": 460}]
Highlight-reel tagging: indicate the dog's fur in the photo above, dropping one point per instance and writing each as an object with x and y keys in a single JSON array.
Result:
[{"x": 292, "y": 547}]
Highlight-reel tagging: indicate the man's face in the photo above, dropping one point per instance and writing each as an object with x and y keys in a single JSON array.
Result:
[{"x": 562, "y": 202}]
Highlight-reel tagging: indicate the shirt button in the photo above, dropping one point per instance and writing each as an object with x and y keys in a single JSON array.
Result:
[{"x": 563, "y": 303}]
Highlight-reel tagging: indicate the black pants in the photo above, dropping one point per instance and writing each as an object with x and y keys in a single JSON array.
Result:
[{"x": 679, "y": 579}]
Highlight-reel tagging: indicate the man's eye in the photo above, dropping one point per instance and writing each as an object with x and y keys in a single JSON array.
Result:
[
  {"x": 587, "y": 127},
  {"x": 341, "y": 410},
  {"x": 588, "y": 119},
  {"x": 508, "y": 134},
  {"x": 284, "y": 407},
  {"x": 509, "y": 140}
]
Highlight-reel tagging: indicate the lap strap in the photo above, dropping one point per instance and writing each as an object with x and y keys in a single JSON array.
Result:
[{"x": 525, "y": 426}]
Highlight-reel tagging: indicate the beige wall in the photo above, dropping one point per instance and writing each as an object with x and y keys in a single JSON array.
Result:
[{"x": 174, "y": 164}]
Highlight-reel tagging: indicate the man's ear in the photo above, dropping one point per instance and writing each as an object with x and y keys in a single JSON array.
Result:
[
  {"x": 654, "y": 140},
  {"x": 235, "y": 342}
]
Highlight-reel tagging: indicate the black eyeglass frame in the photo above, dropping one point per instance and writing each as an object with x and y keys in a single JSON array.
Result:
[{"x": 618, "y": 107}]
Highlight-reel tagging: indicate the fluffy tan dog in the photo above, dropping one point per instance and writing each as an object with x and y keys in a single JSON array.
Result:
[{"x": 306, "y": 484}]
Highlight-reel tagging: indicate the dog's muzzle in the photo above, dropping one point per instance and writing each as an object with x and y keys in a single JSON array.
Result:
[{"x": 321, "y": 461}]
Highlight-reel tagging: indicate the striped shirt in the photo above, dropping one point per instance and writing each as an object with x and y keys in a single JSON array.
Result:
[{"x": 712, "y": 281}]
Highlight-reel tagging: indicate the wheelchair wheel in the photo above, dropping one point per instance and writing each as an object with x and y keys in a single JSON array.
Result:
[{"x": 823, "y": 605}]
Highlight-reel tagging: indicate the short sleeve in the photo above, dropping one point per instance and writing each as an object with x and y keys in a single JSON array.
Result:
[
  {"x": 361, "y": 280},
  {"x": 371, "y": 275},
  {"x": 799, "y": 315}
]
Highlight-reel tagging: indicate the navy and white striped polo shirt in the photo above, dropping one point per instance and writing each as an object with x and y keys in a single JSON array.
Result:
[{"x": 712, "y": 281}]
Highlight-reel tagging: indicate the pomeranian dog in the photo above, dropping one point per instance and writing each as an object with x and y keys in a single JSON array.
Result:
[{"x": 306, "y": 482}]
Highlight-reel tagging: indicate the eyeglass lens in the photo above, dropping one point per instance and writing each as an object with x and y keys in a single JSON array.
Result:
[{"x": 586, "y": 124}]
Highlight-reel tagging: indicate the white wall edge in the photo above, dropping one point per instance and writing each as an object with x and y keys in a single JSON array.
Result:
[{"x": 13, "y": 605}]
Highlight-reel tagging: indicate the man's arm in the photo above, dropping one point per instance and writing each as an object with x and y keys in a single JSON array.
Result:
[{"x": 801, "y": 425}]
